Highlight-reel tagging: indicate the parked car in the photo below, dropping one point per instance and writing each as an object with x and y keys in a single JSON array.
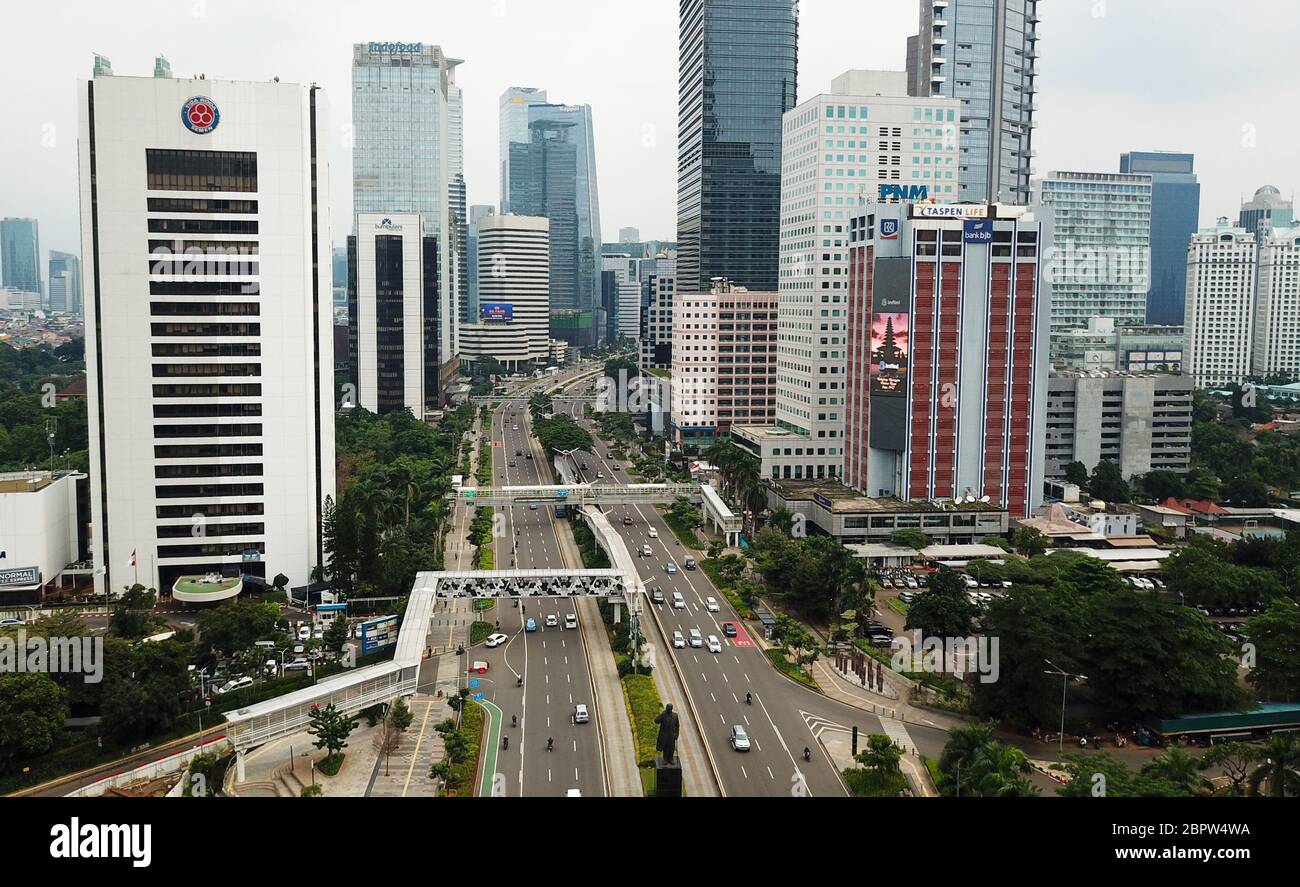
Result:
[{"x": 235, "y": 684}]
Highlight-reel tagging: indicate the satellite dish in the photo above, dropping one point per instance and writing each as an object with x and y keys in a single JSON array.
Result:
[{"x": 986, "y": 499}]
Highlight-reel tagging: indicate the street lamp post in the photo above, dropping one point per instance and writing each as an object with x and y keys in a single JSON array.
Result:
[{"x": 1065, "y": 679}]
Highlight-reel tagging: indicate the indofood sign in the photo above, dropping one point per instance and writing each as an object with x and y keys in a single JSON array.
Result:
[{"x": 397, "y": 47}]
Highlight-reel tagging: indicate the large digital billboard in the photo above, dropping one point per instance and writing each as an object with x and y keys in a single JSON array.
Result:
[
  {"x": 378, "y": 633},
  {"x": 889, "y": 354},
  {"x": 496, "y": 312}
]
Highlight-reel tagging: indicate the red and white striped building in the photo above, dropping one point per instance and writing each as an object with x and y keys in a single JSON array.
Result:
[{"x": 949, "y": 313}]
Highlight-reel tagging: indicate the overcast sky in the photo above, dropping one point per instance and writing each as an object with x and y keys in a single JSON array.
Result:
[{"x": 1206, "y": 76}]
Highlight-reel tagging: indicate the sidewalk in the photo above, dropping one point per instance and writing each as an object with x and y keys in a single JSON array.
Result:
[
  {"x": 618, "y": 746},
  {"x": 405, "y": 772}
]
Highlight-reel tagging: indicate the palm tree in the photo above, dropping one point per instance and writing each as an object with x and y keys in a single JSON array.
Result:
[
  {"x": 999, "y": 770},
  {"x": 1280, "y": 770},
  {"x": 1180, "y": 768}
]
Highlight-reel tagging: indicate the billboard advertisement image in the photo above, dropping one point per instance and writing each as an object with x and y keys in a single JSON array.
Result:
[
  {"x": 496, "y": 312},
  {"x": 889, "y": 341}
]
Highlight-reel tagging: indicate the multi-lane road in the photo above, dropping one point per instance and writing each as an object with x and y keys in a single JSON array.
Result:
[{"x": 552, "y": 660}]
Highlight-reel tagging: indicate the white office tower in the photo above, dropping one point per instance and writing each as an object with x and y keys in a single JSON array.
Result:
[
  {"x": 1276, "y": 347},
  {"x": 206, "y": 251},
  {"x": 866, "y": 141},
  {"x": 514, "y": 281},
  {"x": 406, "y": 145},
  {"x": 1102, "y": 261},
  {"x": 1220, "y": 319}
]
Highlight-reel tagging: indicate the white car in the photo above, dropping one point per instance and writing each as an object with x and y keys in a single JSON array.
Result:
[
  {"x": 552, "y": 621},
  {"x": 573, "y": 793},
  {"x": 580, "y": 714},
  {"x": 712, "y": 605},
  {"x": 496, "y": 640},
  {"x": 679, "y": 602},
  {"x": 304, "y": 632},
  {"x": 715, "y": 645},
  {"x": 679, "y": 640},
  {"x": 739, "y": 738},
  {"x": 571, "y": 621},
  {"x": 647, "y": 551},
  {"x": 697, "y": 639},
  {"x": 654, "y": 534},
  {"x": 236, "y": 684}
]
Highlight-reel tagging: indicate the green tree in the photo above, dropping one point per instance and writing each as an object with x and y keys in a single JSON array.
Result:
[
  {"x": 331, "y": 728},
  {"x": 944, "y": 609},
  {"x": 1077, "y": 473},
  {"x": 32, "y": 711},
  {"x": 237, "y": 625},
  {"x": 881, "y": 775},
  {"x": 337, "y": 634},
  {"x": 1234, "y": 759},
  {"x": 1029, "y": 541},
  {"x": 132, "y": 616},
  {"x": 1161, "y": 485},
  {"x": 1278, "y": 772},
  {"x": 1274, "y": 633},
  {"x": 914, "y": 539},
  {"x": 1108, "y": 484}
]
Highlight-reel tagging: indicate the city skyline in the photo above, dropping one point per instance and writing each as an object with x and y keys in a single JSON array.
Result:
[{"x": 1218, "y": 121}]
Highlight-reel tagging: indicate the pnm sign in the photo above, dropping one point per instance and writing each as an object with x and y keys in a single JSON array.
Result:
[{"x": 904, "y": 192}]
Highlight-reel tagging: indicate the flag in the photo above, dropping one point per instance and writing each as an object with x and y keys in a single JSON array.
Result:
[{"x": 131, "y": 563}]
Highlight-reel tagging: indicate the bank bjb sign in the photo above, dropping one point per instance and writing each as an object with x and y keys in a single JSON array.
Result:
[
  {"x": 904, "y": 192},
  {"x": 977, "y": 231},
  {"x": 20, "y": 576}
]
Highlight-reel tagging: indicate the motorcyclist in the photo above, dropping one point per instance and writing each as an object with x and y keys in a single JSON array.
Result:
[
  {"x": 550, "y": 744},
  {"x": 749, "y": 698},
  {"x": 514, "y": 720},
  {"x": 807, "y": 753},
  {"x": 505, "y": 742}
]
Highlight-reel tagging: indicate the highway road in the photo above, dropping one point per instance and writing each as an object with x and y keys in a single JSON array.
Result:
[
  {"x": 552, "y": 659},
  {"x": 784, "y": 717}
]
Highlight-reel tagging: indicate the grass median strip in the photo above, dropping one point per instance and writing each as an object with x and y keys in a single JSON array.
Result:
[{"x": 643, "y": 706}]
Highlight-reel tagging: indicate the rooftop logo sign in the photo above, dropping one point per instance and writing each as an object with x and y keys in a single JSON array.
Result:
[
  {"x": 904, "y": 192},
  {"x": 200, "y": 115},
  {"x": 397, "y": 47}
]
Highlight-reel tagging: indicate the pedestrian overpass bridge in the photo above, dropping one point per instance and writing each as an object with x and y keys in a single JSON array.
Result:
[{"x": 576, "y": 495}]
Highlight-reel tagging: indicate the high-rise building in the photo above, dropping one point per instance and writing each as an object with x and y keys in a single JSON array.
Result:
[
  {"x": 209, "y": 337},
  {"x": 1102, "y": 258},
  {"x": 1140, "y": 421},
  {"x": 1219, "y": 320},
  {"x": 514, "y": 289},
  {"x": 513, "y": 110},
  {"x": 406, "y": 151},
  {"x": 1275, "y": 350},
  {"x": 1175, "y": 217},
  {"x": 477, "y": 213},
  {"x": 948, "y": 369},
  {"x": 738, "y": 74},
  {"x": 723, "y": 363},
  {"x": 397, "y": 360},
  {"x": 20, "y": 255},
  {"x": 1268, "y": 208},
  {"x": 983, "y": 52},
  {"x": 629, "y": 235},
  {"x": 866, "y": 141},
  {"x": 65, "y": 282},
  {"x": 554, "y": 175},
  {"x": 457, "y": 200},
  {"x": 659, "y": 290}
]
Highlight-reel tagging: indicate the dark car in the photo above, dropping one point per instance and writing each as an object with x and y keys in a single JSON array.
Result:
[
  {"x": 657, "y": 596},
  {"x": 729, "y": 629}
]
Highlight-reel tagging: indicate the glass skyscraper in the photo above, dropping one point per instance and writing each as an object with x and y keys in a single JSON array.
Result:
[
  {"x": 983, "y": 52},
  {"x": 515, "y": 102},
  {"x": 20, "y": 254},
  {"x": 405, "y": 155},
  {"x": 553, "y": 175},
  {"x": 738, "y": 74},
  {"x": 1175, "y": 217},
  {"x": 65, "y": 282}
]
